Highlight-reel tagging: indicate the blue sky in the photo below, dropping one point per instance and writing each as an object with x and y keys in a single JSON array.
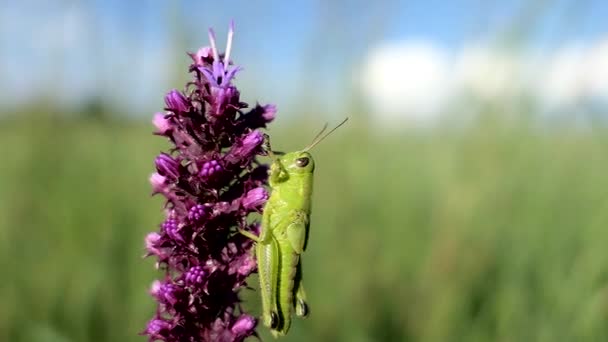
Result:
[{"x": 130, "y": 52}]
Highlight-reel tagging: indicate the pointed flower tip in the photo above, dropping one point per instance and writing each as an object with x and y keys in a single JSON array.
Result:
[
  {"x": 163, "y": 126},
  {"x": 155, "y": 287},
  {"x": 216, "y": 55},
  {"x": 158, "y": 182},
  {"x": 152, "y": 240},
  {"x": 229, "y": 44},
  {"x": 269, "y": 112}
]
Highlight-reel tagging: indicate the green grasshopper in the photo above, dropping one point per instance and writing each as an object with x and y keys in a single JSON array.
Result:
[{"x": 284, "y": 235}]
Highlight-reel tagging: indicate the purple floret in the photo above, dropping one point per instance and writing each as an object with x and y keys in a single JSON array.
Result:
[{"x": 211, "y": 181}]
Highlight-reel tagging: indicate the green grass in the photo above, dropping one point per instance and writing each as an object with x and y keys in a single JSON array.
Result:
[{"x": 496, "y": 232}]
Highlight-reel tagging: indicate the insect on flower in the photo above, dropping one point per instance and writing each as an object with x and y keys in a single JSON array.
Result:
[{"x": 284, "y": 235}]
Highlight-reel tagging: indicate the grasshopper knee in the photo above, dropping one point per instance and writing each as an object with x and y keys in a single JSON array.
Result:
[
  {"x": 274, "y": 320},
  {"x": 302, "y": 309}
]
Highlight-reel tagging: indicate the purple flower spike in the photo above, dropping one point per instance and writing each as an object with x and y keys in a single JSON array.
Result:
[
  {"x": 176, "y": 102},
  {"x": 211, "y": 181}
]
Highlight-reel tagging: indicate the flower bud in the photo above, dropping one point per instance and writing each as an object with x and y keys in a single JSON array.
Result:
[
  {"x": 163, "y": 126},
  {"x": 158, "y": 182},
  {"x": 167, "y": 166},
  {"x": 243, "y": 326},
  {"x": 254, "y": 198},
  {"x": 176, "y": 102},
  {"x": 245, "y": 148}
]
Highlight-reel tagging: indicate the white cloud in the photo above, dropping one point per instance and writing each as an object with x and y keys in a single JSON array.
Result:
[
  {"x": 486, "y": 73},
  {"x": 418, "y": 80},
  {"x": 562, "y": 82},
  {"x": 598, "y": 70},
  {"x": 576, "y": 74},
  {"x": 406, "y": 80}
]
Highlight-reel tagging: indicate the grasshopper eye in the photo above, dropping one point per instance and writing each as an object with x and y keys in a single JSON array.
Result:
[{"x": 302, "y": 162}]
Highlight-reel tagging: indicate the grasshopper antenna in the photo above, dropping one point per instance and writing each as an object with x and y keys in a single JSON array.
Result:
[
  {"x": 320, "y": 138},
  {"x": 320, "y": 132}
]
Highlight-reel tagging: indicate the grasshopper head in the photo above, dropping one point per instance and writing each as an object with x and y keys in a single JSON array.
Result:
[{"x": 299, "y": 162}]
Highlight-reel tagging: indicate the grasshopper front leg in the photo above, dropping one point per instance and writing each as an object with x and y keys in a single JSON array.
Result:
[{"x": 295, "y": 227}]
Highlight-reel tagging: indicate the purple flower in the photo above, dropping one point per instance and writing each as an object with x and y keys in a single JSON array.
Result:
[
  {"x": 197, "y": 212},
  {"x": 268, "y": 112},
  {"x": 210, "y": 168},
  {"x": 220, "y": 73},
  {"x": 158, "y": 182},
  {"x": 203, "y": 56},
  {"x": 211, "y": 181},
  {"x": 244, "y": 265},
  {"x": 152, "y": 240},
  {"x": 254, "y": 198},
  {"x": 163, "y": 126},
  {"x": 176, "y": 102},
  {"x": 245, "y": 148},
  {"x": 158, "y": 329},
  {"x": 167, "y": 166},
  {"x": 195, "y": 276},
  {"x": 244, "y": 326},
  {"x": 167, "y": 293},
  {"x": 171, "y": 227}
]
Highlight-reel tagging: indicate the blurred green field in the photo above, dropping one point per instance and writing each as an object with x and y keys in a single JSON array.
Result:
[{"x": 493, "y": 232}]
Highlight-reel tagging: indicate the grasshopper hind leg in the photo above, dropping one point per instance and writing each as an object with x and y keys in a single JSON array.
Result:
[{"x": 299, "y": 300}]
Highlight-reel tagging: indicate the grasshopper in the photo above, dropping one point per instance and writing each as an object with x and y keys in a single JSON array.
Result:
[{"x": 284, "y": 235}]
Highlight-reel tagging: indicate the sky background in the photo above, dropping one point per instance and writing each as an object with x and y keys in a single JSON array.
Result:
[{"x": 402, "y": 56}]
